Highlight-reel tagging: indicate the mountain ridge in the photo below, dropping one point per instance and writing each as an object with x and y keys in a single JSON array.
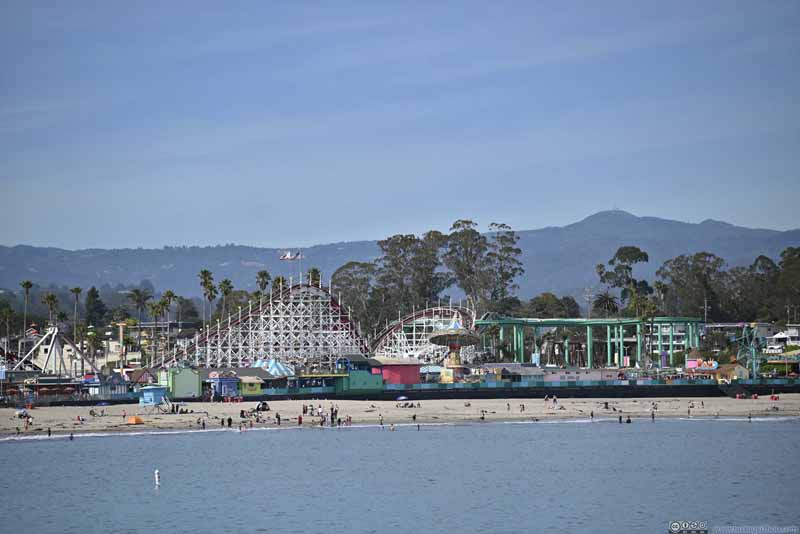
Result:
[{"x": 560, "y": 259}]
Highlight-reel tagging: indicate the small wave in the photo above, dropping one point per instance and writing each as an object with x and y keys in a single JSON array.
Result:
[{"x": 127, "y": 433}]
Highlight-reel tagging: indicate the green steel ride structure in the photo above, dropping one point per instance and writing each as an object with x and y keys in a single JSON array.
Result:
[{"x": 614, "y": 329}]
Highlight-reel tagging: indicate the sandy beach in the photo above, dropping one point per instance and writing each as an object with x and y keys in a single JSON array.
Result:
[{"x": 64, "y": 420}]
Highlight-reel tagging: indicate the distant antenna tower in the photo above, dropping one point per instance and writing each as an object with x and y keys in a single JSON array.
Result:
[{"x": 588, "y": 296}]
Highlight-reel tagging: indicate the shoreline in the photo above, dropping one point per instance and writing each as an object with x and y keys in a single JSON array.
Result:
[
  {"x": 133, "y": 432},
  {"x": 62, "y": 420}
]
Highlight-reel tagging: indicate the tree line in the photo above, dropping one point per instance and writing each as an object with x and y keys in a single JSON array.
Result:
[
  {"x": 413, "y": 272},
  {"x": 701, "y": 285}
]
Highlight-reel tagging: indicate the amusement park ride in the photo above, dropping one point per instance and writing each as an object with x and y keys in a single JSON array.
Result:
[
  {"x": 749, "y": 351},
  {"x": 306, "y": 325}
]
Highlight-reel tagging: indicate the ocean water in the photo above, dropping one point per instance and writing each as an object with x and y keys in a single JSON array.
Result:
[{"x": 537, "y": 477}]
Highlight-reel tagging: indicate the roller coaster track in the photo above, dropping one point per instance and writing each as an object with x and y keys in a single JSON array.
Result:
[
  {"x": 300, "y": 325},
  {"x": 408, "y": 337}
]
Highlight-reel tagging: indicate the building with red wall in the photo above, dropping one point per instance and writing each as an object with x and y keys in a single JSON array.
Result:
[{"x": 400, "y": 370}]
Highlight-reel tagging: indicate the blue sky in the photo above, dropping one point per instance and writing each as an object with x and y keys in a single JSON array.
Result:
[{"x": 126, "y": 124}]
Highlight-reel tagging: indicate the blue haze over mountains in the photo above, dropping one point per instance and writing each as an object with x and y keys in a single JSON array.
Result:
[{"x": 557, "y": 259}]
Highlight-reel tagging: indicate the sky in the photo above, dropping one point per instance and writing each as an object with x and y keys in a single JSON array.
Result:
[{"x": 144, "y": 124}]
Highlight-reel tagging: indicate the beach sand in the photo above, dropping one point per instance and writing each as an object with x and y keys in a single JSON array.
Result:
[{"x": 63, "y": 420}]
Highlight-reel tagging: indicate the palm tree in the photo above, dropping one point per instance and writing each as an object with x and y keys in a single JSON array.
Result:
[
  {"x": 51, "y": 301},
  {"x": 225, "y": 289},
  {"x": 139, "y": 298},
  {"x": 155, "y": 309},
  {"x": 210, "y": 294},
  {"x": 607, "y": 302},
  {"x": 76, "y": 291},
  {"x": 262, "y": 280},
  {"x": 278, "y": 284},
  {"x": 314, "y": 276},
  {"x": 166, "y": 299},
  {"x": 207, "y": 284},
  {"x": 26, "y": 286}
]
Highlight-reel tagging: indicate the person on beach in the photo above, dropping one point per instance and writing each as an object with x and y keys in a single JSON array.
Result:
[
  {"x": 124, "y": 414},
  {"x": 230, "y": 422},
  {"x": 71, "y": 437},
  {"x": 620, "y": 419},
  {"x": 414, "y": 418},
  {"x": 300, "y": 419},
  {"x": 278, "y": 418},
  {"x": 380, "y": 416},
  {"x": 203, "y": 424},
  {"x": 591, "y": 415},
  {"x": 653, "y": 416},
  {"x": 628, "y": 420}
]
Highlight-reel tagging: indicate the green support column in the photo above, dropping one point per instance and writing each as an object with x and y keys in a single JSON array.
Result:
[
  {"x": 620, "y": 346},
  {"x": 672, "y": 344},
  {"x": 660, "y": 346},
  {"x": 687, "y": 337},
  {"x": 608, "y": 345},
  {"x": 697, "y": 335},
  {"x": 589, "y": 347},
  {"x": 638, "y": 342},
  {"x": 514, "y": 342},
  {"x": 520, "y": 336},
  {"x": 566, "y": 352}
]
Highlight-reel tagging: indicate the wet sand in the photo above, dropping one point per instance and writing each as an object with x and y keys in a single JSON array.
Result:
[{"x": 63, "y": 420}]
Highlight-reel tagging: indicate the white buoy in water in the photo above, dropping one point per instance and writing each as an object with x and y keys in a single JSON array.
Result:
[{"x": 157, "y": 477}]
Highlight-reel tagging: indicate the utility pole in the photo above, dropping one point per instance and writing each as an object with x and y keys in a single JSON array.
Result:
[
  {"x": 705, "y": 309},
  {"x": 588, "y": 296}
]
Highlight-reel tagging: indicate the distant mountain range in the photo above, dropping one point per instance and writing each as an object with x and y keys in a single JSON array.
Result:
[{"x": 557, "y": 259}]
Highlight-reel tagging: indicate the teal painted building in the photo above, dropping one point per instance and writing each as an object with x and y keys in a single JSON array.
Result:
[{"x": 359, "y": 382}]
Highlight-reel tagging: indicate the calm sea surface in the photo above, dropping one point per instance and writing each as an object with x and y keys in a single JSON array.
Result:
[{"x": 539, "y": 477}]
